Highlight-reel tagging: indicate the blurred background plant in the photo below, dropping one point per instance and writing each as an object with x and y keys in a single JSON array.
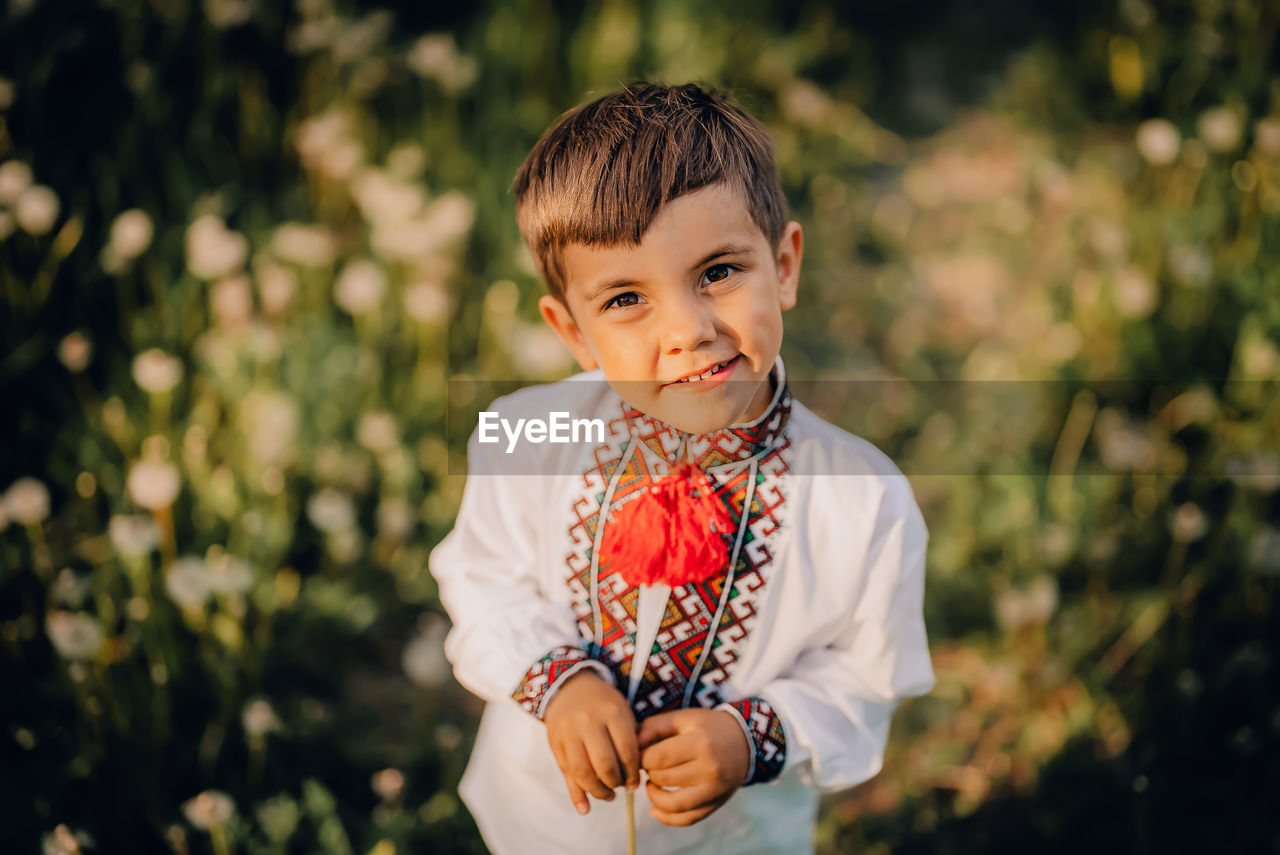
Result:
[{"x": 243, "y": 247}]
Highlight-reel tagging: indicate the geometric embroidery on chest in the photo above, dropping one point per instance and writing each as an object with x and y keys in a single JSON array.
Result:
[
  {"x": 685, "y": 624},
  {"x": 691, "y": 608}
]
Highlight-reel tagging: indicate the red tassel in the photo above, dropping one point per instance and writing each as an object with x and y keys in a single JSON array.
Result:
[{"x": 673, "y": 533}]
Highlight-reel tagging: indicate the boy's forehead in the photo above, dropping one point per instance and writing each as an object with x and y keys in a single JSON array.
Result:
[{"x": 685, "y": 231}]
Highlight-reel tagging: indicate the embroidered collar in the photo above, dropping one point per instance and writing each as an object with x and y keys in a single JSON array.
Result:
[{"x": 732, "y": 444}]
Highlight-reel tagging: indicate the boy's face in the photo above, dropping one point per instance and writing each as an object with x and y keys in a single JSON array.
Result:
[{"x": 704, "y": 290}]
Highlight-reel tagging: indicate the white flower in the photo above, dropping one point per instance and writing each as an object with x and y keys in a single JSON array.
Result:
[
  {"x": 451, "y": 215},
  {"x": 214, "y": 251},
  {"x": 426, "y": 302},
  {"x": 37, "y": 209},
  {"x": 318, "y": 135},
  {"x": 1135, "y": 294},
  {"x": 305, "y": 245},
  {"x": 231, "y": 301},
  {"x": 406, "y": 160},
  {"x": 68, "y": 589},
  {"x": 448, "y": 736},
  {"x": 344, "y": 546},
  {"x": 1042, "y": 598},
  {"x": 360, "y": 287},
  {"x": 395, "y": 518},
  {"x": 310, "y": 36},
  {"x": 1190, "y": 265},
  {"x": 1016, "y": 609},
  {"x": 276, "y": 285},
  {"x": 210, "y": 809},
  {"x": 359, "y": 38},
  {"x": 153, "y": 484},
  {"x": 435, "y": 56},
  {"x": 377, "y": 431},
  {"x": 1267, "y": 135},
  {"x": 382, "y": 198},
  {"x": 225, "y": 14},
  {"x": 1188, "y": 522},
  {"x": 228, "y": 574},
  {"x": 63, "y": 841},
  {"x": 331, "y": 510},
  {"x": 423, "y": 657},
  {"x": 15, "y": 177},
  {"x": 26, "y": 502},
  {"x": 1220, "y": 129},
  {"x": 258, "y": 718},
  {"x": 388, "y": 784},
  {"x": 1121, "y": 445},
  {"x": 131, "y": 234},
  {"x": 538, "y": 350},
  {"x": 326, "y": 145},
  {"x": 156, "y": 371},
  {"x": 75, "y": 635},
  {"x": 804, "y": 103},
  {"x": 340, "y": 161},
  {"x": 1264, "y": 551},
  {"x": 445, "y": 221},
  {"x": 74, "y": 351},
  {"x": 271, "y": 421},
  {"x": 187, "y": 582},
  {"x": 132, "y": 535},
  {"x": 1158, "y": 141}
]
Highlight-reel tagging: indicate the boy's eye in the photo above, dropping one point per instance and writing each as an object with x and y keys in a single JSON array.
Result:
[
  {"x": 630, "y": 298},
  {"x": 725, "y": 270}
]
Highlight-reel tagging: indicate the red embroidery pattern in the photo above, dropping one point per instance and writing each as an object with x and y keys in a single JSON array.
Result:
[
  {"x": 767, "y": 736},
  {"x": 539, "y": 682},
  {"x": 686, "y": 622}
]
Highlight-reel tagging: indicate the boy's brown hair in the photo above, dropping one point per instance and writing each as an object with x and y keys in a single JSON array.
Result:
[{"x": 600, "y": 175}]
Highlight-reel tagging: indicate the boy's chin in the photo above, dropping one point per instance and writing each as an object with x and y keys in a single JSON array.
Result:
[
  {"x": 695, "y": 420},
  {"x": 690, "y": 413}
]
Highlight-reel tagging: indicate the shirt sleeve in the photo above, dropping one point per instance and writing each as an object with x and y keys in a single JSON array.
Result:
[
  {"x": 830, "y": 711},
  {"x": 508, "y": 639}
]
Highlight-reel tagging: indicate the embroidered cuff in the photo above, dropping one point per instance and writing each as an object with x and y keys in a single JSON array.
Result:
[
  {"x": 541, "y": 682},
  {"x": 764, "y": 732}
]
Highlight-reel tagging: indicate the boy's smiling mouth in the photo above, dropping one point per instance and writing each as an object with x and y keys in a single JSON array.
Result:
[{"x": 719, "y": 371}]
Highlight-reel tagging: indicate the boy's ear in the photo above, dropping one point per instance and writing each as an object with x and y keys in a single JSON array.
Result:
[
  {"x": 790, "y": 252},
  {"x": 557, "y": 316}
]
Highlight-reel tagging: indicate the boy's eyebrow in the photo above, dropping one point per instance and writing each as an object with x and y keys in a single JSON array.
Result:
[{"x": 743, "y": 250}]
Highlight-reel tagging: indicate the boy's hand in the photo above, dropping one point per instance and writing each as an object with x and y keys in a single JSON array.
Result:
[
  {"x": 703, "y": 753},
  {"x": 592, "y": 733}
]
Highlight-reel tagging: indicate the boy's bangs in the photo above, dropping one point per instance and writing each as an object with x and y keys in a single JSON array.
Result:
[{"x": 601, "y": 175}]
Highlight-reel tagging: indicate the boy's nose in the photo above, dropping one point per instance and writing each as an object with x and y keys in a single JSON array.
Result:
[{"x": 688, "y": 324}]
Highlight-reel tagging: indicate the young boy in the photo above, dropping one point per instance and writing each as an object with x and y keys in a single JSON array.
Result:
[{"x": 719, "y": 589}]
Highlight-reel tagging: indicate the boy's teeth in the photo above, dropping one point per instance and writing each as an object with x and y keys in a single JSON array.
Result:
[{"x": 715, "y": 369}]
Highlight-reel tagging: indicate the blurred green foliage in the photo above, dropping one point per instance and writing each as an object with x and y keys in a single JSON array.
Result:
[{"x": 244, "y": 246}]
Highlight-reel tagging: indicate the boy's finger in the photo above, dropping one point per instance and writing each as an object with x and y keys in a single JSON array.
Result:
[
  {"x": 604, "y": 760},
  {"x": 684, "y": 775},
  {"x": 681, "y": 819},
  {"x": 582, "y": 770},
  {"x": 656, "y": 728},
  {"x": 624, "y": 743},
  {"x": 576, "y": 795},
  {"x": 679, "y": 800},
  {"x": 667, "y": 753}
]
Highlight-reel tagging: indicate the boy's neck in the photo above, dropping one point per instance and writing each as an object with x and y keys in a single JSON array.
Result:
[{"x": 687, "y": 448}]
